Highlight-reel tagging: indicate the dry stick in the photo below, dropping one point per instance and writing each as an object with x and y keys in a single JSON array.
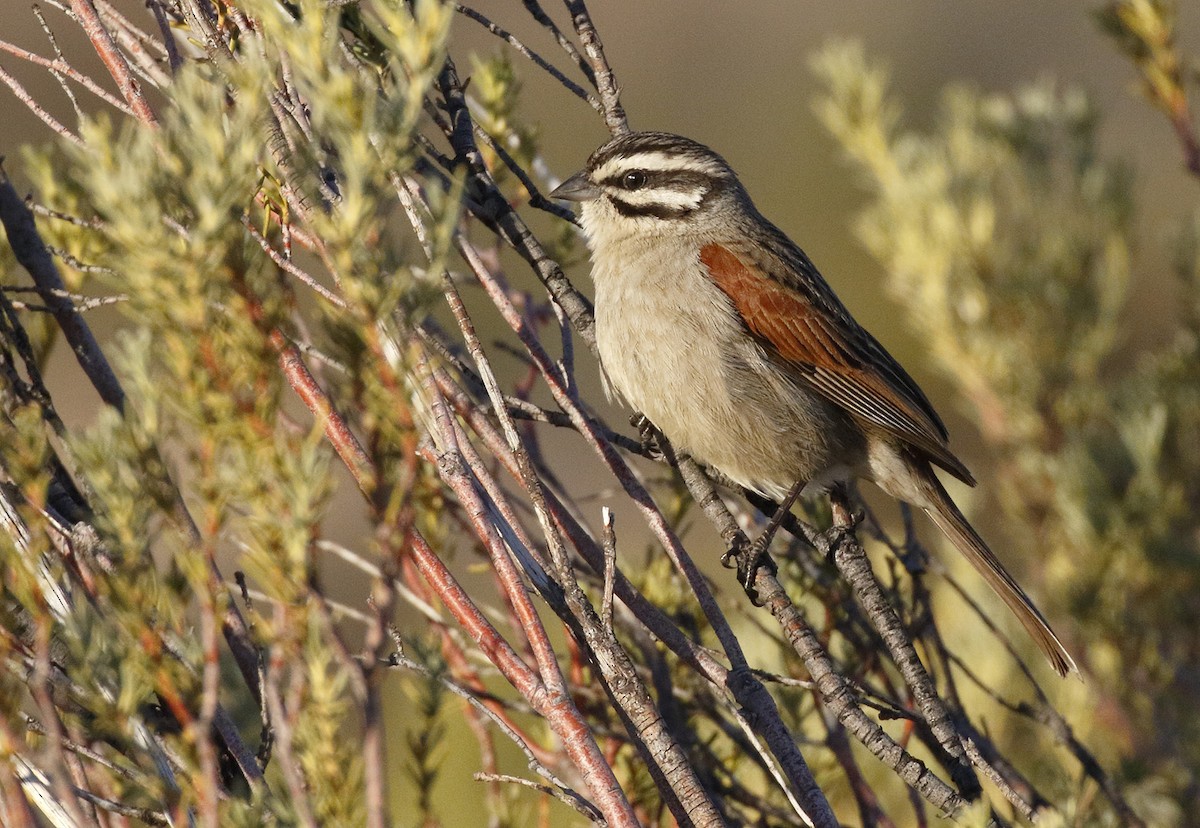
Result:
[
  {"x": 747, "y": 689},
  {"x": 202, "y": 25},
  {"x": 536, "y": 199},
  {"x": 649, "y": 615},
  {"x": 558, "y": 710},
  {"x": 519, "y": 408},
  {"x": 610, "y": 569},
  {"x": 869, "y": 809},
  {"x": 851, "y": 561},
  {"x": 539, "y": 14},
  {"x": 134, "y": 41},
  {"x": 168, "y": 36},
  {"x": 60, "y": 66},
  {"x": 655, "y": 621},
  {"x": 980, "y": 750},
  {"x": 549, "y": 790},
  {"x": 543, "y": 64},
  {"x": 453, "y": 470},
  {"x": 289, "y": 267},
  {"x": 62, "y": 83},
  {"x": 606, "y": 82},
  {"x": 665, "y": 758},
  {"x": 471, "y": 697},
  {"x": 836, "y": 692},
  {"x": 49, "y": 120},
  {"x": 493, "y": 207},
  {"x": 33, "y": 255},
  {"x": 1018, "y": 790},
  {"x": 144, "y": 815},
  {"x": 113, "y": 60}
]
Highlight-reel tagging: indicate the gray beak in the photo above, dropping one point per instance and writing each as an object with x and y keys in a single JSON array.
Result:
[{"x": 576, "y": 188}]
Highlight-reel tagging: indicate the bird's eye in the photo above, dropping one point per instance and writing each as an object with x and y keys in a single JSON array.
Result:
[{"x": 634, "y": 180}]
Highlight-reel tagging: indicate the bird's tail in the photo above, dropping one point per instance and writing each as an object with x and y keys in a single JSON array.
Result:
[{"x": 950, "y": 520}]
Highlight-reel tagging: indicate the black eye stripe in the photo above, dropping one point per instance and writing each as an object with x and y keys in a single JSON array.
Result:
[
  {"x": 678, "y": 180},
  {"x": 657, "y": 210}
]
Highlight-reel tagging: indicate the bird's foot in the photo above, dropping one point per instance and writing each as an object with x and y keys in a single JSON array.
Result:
[
  {"x": 748, "y": 558},
  {"x": 841, "y": 533},
  {"x": 652, "y": 439},
  {"x": 848, "y": 513},
  {"x": 753, "y": 556}
]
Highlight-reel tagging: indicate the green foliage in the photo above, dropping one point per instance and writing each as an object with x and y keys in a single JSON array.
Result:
[
  {"x": 171, "y": 205},
  {"x": 1144, "y": 30},
  {"x": 1009, "y": 241}
]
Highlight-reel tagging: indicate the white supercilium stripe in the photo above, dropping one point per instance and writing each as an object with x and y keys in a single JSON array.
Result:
[{"x": 654, "y": 161}]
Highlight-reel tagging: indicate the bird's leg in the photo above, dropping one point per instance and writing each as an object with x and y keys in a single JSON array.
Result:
[
  {"x": 846, "y": 517},
  {"x": 754, "y": 555},
  {"x": 651, "y": 437}
]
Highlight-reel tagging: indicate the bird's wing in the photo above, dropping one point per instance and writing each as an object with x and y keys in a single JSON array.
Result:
[{"x": 786, "y": 305}]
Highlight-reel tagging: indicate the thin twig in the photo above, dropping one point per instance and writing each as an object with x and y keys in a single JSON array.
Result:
[
  {"x": 168, "y": 36},
  {"x": 570, "y": 85},
  {"x": 539, "y": 14},
  {"x": 835, "y": 691},
  {"x": 49, "y": 120},
  {"x": 59, "y": 66},
  {"x": 610, "y": 569},
  {"x": 852, "y": 562},
  {"x": 605, "y": 80},
  {"x": 561, "y": 795},
  {"x": 35, "y": 257},
  {"x": 113, "y": 59}
]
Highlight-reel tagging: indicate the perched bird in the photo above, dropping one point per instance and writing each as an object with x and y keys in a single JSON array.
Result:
[{"x": 717, "y": 327}]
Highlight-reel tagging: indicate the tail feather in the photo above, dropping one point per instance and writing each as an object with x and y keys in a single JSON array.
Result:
[{"x": 950, "y": 520}]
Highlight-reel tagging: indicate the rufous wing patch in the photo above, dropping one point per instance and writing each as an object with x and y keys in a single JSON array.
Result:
[{"x": 824, "y": 355}]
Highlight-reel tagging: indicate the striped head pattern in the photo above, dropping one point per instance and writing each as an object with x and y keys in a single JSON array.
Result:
[{"x": 648, "y": 181}]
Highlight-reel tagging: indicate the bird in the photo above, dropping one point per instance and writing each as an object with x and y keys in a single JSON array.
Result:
[{"x": 720, "y": 330}]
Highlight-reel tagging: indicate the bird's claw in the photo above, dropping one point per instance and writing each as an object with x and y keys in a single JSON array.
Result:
[
  {"x": 748, "y": 558},
  {"x": 651, "y": 437}
]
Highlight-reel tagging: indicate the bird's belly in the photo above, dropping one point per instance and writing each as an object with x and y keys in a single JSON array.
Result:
[{"x": 681, "y": 358}]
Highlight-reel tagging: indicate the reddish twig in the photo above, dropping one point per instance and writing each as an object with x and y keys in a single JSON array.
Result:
[
  {"x": 560, "y": 714},
  {"x": 113, "y": 59}
]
